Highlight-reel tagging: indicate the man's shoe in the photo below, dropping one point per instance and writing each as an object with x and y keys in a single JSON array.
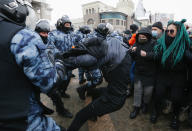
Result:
[
  {"x": 65, "y": 113},
  {"x": 135, "y": 112},
  {"x": 175, "y": 123}
]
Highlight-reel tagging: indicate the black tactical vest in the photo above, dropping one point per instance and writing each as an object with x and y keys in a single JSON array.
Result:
[{"x": 15, "y": 87}]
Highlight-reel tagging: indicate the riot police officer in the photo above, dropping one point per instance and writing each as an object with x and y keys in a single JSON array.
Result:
[
  {"x": 82, "y": 35},
  {"x": 26, "y": 70},
  {"x": 43, "y": 27},
  {"x": 64, "y": 39}
]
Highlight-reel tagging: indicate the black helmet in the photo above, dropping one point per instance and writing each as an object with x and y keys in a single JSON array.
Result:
[
  {"x": 61, "y": 22},
  {"x": 43, "y": 26},
  {"x": 14, "y": 10},
  {"x": 104, "y": 29},
  {"x": 85, "y": 29}
]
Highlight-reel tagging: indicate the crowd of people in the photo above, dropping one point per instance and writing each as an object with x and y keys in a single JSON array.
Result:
[{"x": 153, "y": 64}]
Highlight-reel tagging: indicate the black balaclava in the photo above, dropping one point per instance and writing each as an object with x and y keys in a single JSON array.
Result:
[
  {"x": 45, "y": 39},
  {"x": 169, "y": 39}
]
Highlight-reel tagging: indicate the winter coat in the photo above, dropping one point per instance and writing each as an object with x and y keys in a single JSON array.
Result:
[{"x": 144, "y": 66}]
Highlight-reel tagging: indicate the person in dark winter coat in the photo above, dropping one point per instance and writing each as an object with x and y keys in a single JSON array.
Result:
[
  {"x": 188, "y": 95},
  {"x": 172, "y": 69},
  {"x": 142, "y": 54},
  {"x": 114, "y": 61}
]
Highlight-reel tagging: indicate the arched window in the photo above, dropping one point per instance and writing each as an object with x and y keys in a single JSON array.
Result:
[
  {"x": 90, "y": 22},
  {"x": 87, "y": 11}
]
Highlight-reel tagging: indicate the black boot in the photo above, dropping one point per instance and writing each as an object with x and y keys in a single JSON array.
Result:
[
  {"x": 175, "y": 117},
  {"x": 154, "y": 115},
  {"x": 175, "y": 122},
  {"x": 54, "y": 95},
  {"x": 63, "y": 112},
  {"x": 81, "y": 91},
  {"x": 144, "y": 108},
  {"x": 135, "y": 112}
]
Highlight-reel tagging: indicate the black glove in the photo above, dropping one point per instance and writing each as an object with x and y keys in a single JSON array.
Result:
[
  {"x": 55, "y": 97},
  {"x": 78, "y": 50}
]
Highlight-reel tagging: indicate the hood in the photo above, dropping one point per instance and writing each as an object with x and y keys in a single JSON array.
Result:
[
  {"x": 145, "y": 31},
  {"x": 97, "y": 47}
]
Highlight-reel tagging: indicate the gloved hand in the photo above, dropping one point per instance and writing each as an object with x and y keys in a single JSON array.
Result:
[{"x": 76, "y": 51}]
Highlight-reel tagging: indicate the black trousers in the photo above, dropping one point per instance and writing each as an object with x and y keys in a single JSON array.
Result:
[
  {"x": 104, "y": 104},
  {"x": 109, "y": 99},
  {"x": 64, "y": 86},
  {"x": 169, "y": 87},
  {"x": 168, "y": 90}
]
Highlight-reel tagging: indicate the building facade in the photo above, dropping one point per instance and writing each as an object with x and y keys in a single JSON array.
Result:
[
  {"x": 91, "y": 12},
  {"x": 126, "y": 7},
  {"x": 98, "y": 12},
  {"x": 77, "y": 23},
  {"x": 42, "y": 9},
  {"x": 117, "y": 19}
]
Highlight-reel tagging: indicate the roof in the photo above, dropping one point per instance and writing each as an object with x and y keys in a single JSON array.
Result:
[{"x": 105, "y": 12}]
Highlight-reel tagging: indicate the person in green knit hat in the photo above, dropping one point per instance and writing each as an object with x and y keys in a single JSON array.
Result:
[{"x": 171, "y": 69}]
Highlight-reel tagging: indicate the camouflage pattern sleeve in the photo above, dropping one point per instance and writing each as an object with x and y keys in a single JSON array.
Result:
[
  {"x": 77, "y": 37},
  {"x": 62, "y": 41},
  {"x": 51, "y": 38},
  {"x": 31, "y": 56}
]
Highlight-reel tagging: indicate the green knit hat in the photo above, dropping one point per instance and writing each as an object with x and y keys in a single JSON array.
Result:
[{"x": 177, "y": 47}]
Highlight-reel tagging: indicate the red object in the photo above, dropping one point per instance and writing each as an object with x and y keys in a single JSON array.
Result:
[{"x": 132, "y": 40}]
